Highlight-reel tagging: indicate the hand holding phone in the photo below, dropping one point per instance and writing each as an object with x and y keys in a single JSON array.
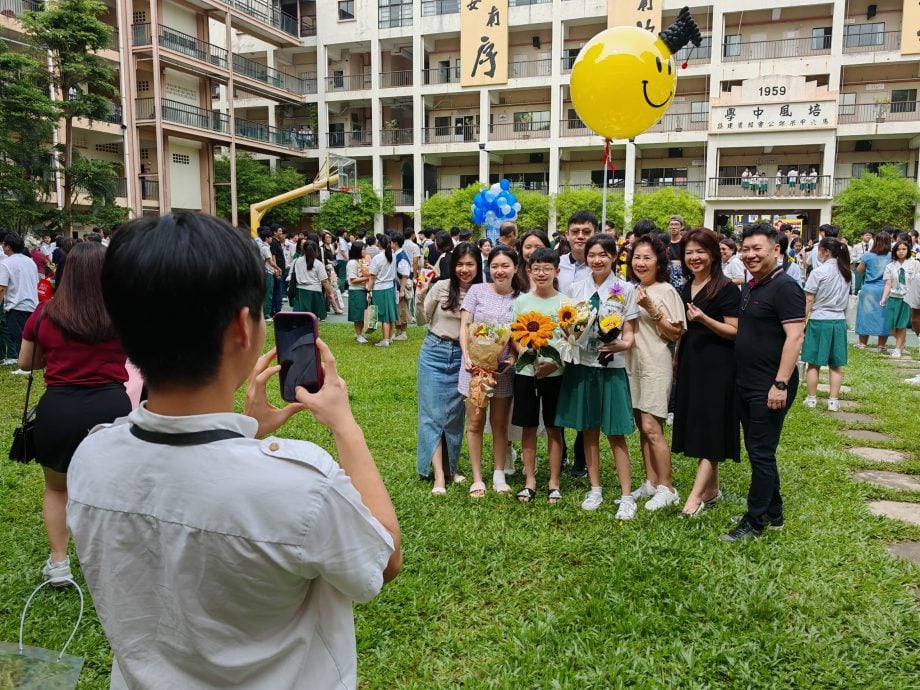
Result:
[
  {"x": 296, "y": 334},
  {"x": 257, "y": 406}
]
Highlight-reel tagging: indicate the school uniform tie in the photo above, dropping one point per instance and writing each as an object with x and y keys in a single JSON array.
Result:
[
  {"x": 596, "y": 300},
  {"x": 902, "y": 278}
]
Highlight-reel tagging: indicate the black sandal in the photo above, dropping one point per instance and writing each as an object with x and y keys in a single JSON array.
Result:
[
  {"x": 555, "y": 495},
  {"x": 526, "y": 495}
]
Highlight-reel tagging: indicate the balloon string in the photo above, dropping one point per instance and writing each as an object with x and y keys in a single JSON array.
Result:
[
  {"x": 608, "y": 161},
  {"x": 686, "y": 62}
]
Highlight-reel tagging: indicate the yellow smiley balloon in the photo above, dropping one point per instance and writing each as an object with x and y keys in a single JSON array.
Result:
[{"x": 623, "y": 82}]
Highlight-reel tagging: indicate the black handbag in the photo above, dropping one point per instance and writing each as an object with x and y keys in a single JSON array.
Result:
[{"x": 23, "y": 447}]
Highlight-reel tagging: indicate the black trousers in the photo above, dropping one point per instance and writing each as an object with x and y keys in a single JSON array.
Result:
[{"x": 762, "y": 430}]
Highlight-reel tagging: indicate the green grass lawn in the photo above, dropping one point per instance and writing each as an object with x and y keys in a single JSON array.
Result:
[{"x": 498, "y": 594}]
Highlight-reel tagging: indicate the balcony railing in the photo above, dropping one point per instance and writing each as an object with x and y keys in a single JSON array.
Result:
[
  {"x": 441, "y": 75},
  {"x": 309, "y": 81},
  {"x": 299, "y": 137},
  {"x": 183, "y": 114},
  {"x": 871, "y": 42},
  {"x": 16, "y": 8},
  {"x": 899, "y": 111},
  {"x": 772, "y": 50},
  {"x": 402, "y": 197},
  {"x": 566, "y": 62},
  {"x": 432, "y": 8},
  {"x": 267, "y": 75},
  {"x": 530, "y": 68},
  {"x": 140, "y": 35},
  {"x": 450, "y": 134},
  {"x": 840, "y": 184},
  {"x": 115, "y": 115},
  {"x": 697, "y": 188},
  {"x": 150, "y": 187},
  {"x": 191, "y": 46},
  {"x": 265, "y": 13},
  {"x": 353, "y": 82},
  {"x": 256, "y": 131},
  {"x": 681, "y": 122},
  {"x": 542, "y": 187},
  {"x": 307, "y": 26},
  {"x": 519, "y": 130},
  {"x": 395, "y": 137},
  {"x": 574, "y": 128},
  {"x": 726, "y": 187},
  {"x": 690, "y": 53},
  {"x": 121, "y": 187},
  {"x": 394, "y": 79},
  {"x": 357, "y": 137}
]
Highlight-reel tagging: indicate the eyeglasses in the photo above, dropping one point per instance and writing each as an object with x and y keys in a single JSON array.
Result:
[
  {"x": 542, "y": 270},
  {"x": 586, "y": 232}
]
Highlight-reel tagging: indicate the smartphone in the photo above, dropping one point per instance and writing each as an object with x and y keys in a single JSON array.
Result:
[{"x": 295, "y": 338}]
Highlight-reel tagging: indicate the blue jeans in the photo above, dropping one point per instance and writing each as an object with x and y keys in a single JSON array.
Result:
[
  {"x": 441, "y": 413},
  {"x": 278, "y": 293}
]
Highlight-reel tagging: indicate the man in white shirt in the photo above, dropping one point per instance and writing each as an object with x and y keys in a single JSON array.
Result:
[
  {"x": 47, "y": 247},
  {"x": 572, "y": 266},
  {"x": 18, "y": 288},
  {"x": 215, "y": 559},
  {"x": 341, "y": 259},
  {"x": 856, "y": 254}
]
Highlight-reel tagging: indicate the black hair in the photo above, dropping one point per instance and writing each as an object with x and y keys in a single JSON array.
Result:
[
  {"x": 522, "y": 275},
  {"x": 505, "y": 250},
  {"x": 782, "y": 239},
  {"x": 152, "y": 266},
  {"x": 607, "y": 243},
  {"x": 483, "y": 241},
  {"x": 310, "y": 252},
  {"x": 894, "y": 249},
  {"x": 454, "y": 231},
  {"x": 785, "y": 227},
  {"x": 442, "y": 242},
  {"x": 340, "y": 232},
  {"x": 264, "y": 233},
  {"x": 466, "y": 235},
  {"x": 14, "y": 241},
  {"x": 452, "y": 301},
  {"x": 709, "y": 241},
  {"x": 370, "y": 240},
  {"x": 841, "y": 253},
  {"x": 580, "y": 217},
  {"x": 354, "y": 251},
  {"x": 644, "y": 227},
  {"x": 730, "y": 243},
  {"x": 764, "y": 229},
  {"x": 659, "y": 249},
  {"x": 544, "y": 256},
  {"x": 397, "y": 239},
  {"x": 829, "y": 230}
]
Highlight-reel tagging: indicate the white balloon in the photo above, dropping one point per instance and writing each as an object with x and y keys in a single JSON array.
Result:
[{"x": 517, "y": 206}]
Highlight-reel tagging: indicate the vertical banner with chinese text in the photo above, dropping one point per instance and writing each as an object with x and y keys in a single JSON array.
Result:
[
  {"x": 483, "y": 42},
  {"x": 646, "y": 14},
  {"x": 910, "y": 28}
]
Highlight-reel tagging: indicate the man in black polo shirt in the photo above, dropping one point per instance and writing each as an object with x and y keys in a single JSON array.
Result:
[{"x": 771, "y": 327}]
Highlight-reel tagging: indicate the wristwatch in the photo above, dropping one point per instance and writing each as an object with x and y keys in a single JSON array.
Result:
[{"x": 780, "y": 385}]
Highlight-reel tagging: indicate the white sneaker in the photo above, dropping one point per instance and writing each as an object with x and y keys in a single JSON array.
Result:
[
  {"x": 645, "y": 490},
  {"x": 20, "y": 372},
  {"x": 10, "y": 362},
  {"x": 670, "y": 420},
  {"x": 593, "y": 500},
  {"x": 400, "y": 336},
  {"x": 811, "y": 401},
  {"x": 627, "y": 509},
  {"x": 833, "y": 405},
  {"x": 382, "y": 343},
  {"x": 663, "y": 497},
  {"x": 896, "y": 354},
  {"x": 57, "y": 572},
  {"x": 361, "y": 339}
]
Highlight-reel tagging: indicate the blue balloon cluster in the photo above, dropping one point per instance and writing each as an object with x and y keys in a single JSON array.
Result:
[{"x": 493, "y": 206}]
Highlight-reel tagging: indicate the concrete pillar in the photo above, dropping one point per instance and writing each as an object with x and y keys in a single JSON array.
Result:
[
  {"x": 485, "y": 108},
  {"x": 629, "y": 183}
]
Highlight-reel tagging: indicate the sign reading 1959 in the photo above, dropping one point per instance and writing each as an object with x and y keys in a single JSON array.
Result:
[{"x": 772, "y": 90}]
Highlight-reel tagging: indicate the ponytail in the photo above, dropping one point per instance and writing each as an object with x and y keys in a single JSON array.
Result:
[
  {"x": 388, "y": 252},
  {"x": 310, "y": 251},
  {"x": 839, "y": 251}
]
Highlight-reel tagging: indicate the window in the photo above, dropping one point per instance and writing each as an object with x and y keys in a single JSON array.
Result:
[
  {"x": 690, "y": 51},
  {"x": 467, "y": 180},
  {"x": 336, "y": 134},
  {"x": 531, "y": 121},
  {"x": 568, "y": 57},
  {"x": 699, "y": 111},
  {"x": 731, "y": 46},
  {"x": 181, "y": 159},
  {"x": 573, "y": 121},
  {"x": 863, "y": 35},
  {"x": 338, "y": 79},
  {"x": 393, "y": 13},
  {"x": 145, "y": 154},
  {"x": 615, "y": 178},
  {"x": 346, "y": 10},
  {"x": 143, "y": 85},
  {"x": 139, "y": 17},
  {"x": 847, "y": 104},
  {"x": 442, "y": 126},
  {"x": 664, "y": 177},
  {"x": 821, "y": 38},
  {"x": 107, "y": 148},
  {"x": 904, "y": 100},
  {"x": 860, "y": 169},
  {"x": 727, "y": 86}
]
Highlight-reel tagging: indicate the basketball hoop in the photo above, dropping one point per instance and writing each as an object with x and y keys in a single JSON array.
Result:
[{"x": 354, "y": 191}]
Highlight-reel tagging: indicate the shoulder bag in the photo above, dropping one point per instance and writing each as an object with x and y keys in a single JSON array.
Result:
[{"x": 23, "y": 447}]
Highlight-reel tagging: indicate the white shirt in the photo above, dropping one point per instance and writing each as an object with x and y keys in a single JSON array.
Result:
[
  {"x": 307, "y": 279},
  {"x": 734, "y": 268},
  {"x": 413, "y": 251},
  {"x": 582, "y": 291},
  {"x": 831, "y": 291},
  {"x": 19, "y": 277},
  {"x": 857, "y": 250},
  {"x": 48, "y": 249},
  {"x": 265, "y": 252},
  {"x": 911, "y": 270},
  {"x": 813, "y": 259},
  {"x": 233, "y": 563},
  {"x": 571, "y": 271},
  {"x": 383, "y": 271},
  {"x": 913, "y": 293},
  {"x": 794, "y": 271},
  {"x": 288, "y": 248},
  {"x": 341, "y": 253},
  {"x": 792, "y": 175}
]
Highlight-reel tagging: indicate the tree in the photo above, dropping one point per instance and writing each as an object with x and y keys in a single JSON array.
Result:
[
  {"x": 663, "y": 203},
  {"x": 450, "y": 210},
  {"x": 534, "y": 209},
  {"x": 341, "y": 211},
  {"x": 96, "y": 179},
  {"x": 255, "y": 181},
  {"x": 571, "y": 200},
  {"x": 27, "y": 119},
  {"x": 71, "y": 32},
  {"x": 873, "y": 201}
]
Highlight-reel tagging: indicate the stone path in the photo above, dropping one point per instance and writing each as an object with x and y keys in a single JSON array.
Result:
[
  {"x": 853, "y": 417},
  {"x": 825, "y": 388},
  {"x": 897, "y": 510},
  {"x": 889, "y": 480},
  {"x": 866, "y": 435},
  {"x": 844, "y": 404},
  {"x": 879, "y": 454},
  {"x": 908, "y": 550}
]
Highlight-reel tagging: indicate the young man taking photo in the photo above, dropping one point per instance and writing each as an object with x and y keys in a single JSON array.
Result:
[
  {"x": 771, "y": 328},
  {"x": 216, "y": 559}
]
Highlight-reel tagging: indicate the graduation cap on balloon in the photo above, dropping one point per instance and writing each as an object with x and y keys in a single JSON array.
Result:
[{"x": 683, "y": 31}]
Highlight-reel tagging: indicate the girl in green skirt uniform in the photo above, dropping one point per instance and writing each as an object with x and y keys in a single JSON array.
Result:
[
  {"x": 898, "y": 275},
  {"x": 381, "y": 286},
  {"x": 357, "y": 279},
  {"x": 312, "y": 280},
  {"x": 595, "y": 397}
]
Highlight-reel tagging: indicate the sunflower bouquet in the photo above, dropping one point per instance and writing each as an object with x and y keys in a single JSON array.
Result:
[
  {"x": 575, "y": 321},
  {"x": 485, "y": 346},
  {"x": 533, "y": 331},
  {"x": 610, "y": 319}
]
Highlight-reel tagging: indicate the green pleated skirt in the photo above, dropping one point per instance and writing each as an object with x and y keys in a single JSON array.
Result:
[
  {"x": 357, "y": 305},
  {"x": 386, "y": 304},
  {"x": 594, "y": 397},
  {"x": 312, "y": 301}
]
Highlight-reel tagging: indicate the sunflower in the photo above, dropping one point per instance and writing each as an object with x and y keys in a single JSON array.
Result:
[
  {"x": 532, "y": 330},
  {"x": 608, "y": 323},
  {"x": 567, "y": 315}
]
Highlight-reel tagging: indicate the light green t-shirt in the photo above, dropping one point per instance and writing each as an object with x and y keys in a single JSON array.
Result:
[{"x": 549, "y": 306}]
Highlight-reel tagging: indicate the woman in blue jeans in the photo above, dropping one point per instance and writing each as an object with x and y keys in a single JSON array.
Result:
[{"x": 441, "y": 414}]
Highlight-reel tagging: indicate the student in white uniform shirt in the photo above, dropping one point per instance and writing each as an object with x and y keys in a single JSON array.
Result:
[
  {"x": 216, "y": 559},
  {"x": 732, "y": 267},
  {"x": 826, "y": 230}
]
